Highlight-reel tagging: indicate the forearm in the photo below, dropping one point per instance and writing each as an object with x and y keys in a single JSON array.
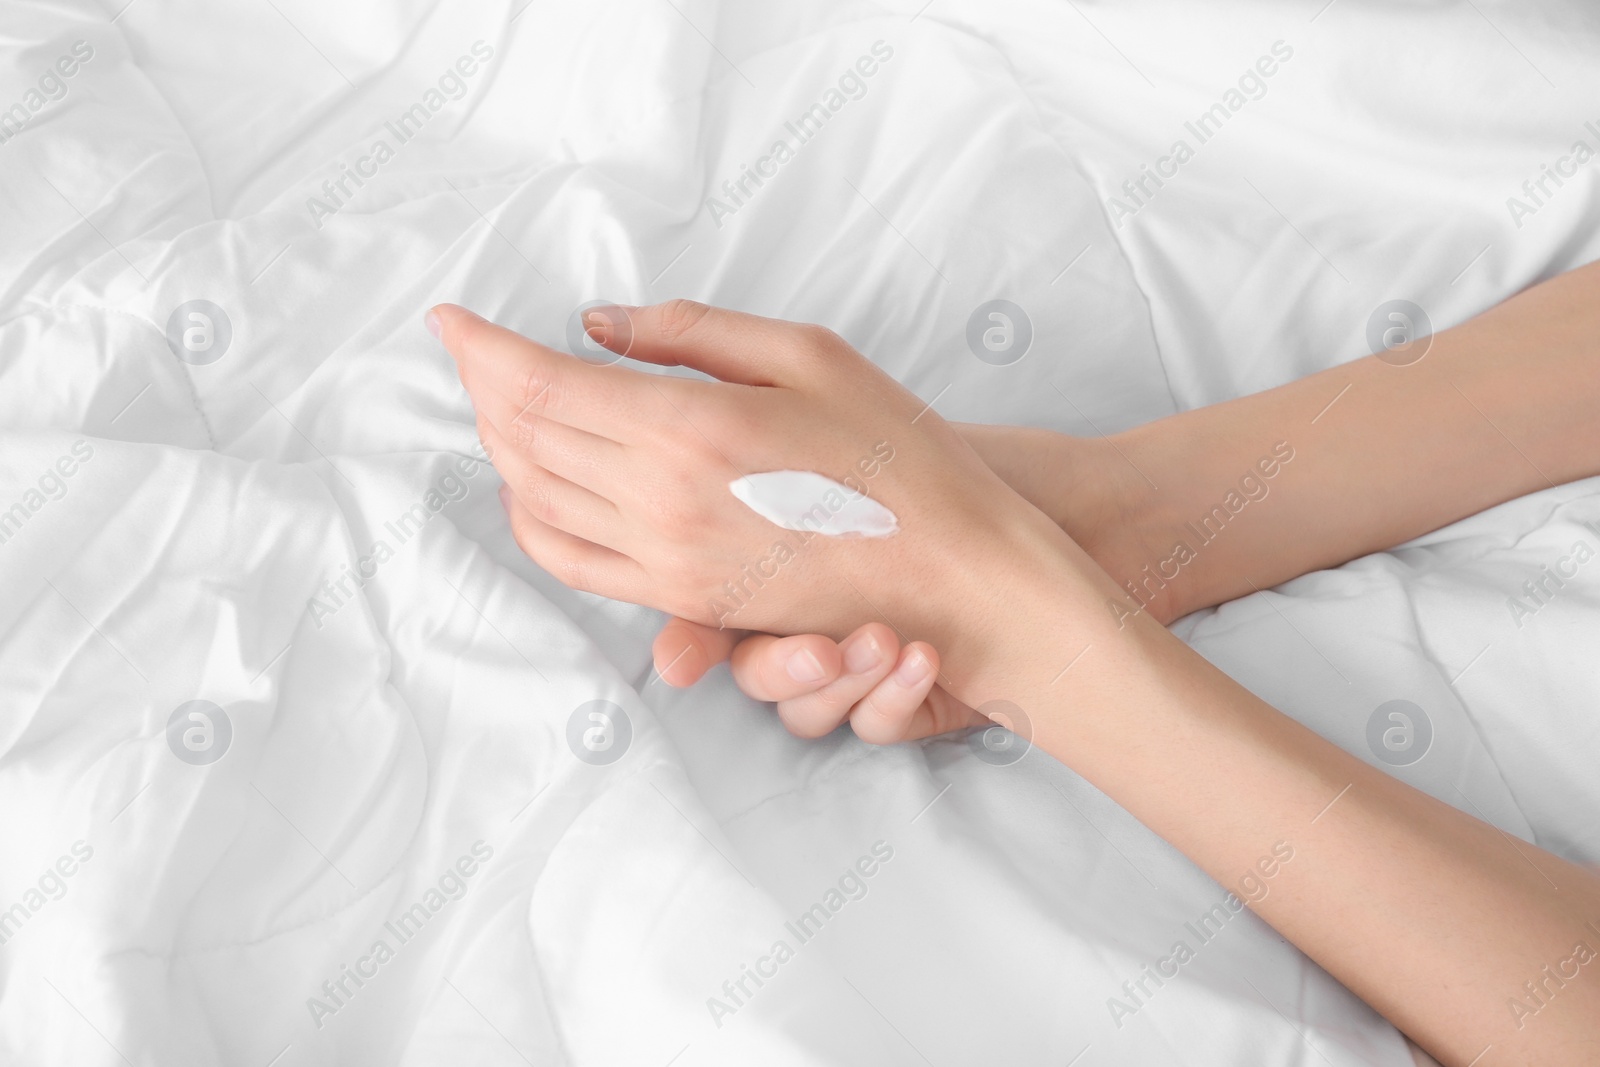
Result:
[
  {"x": 1500, "y": 406},
  {"x": 1431, "y": 916},
  {"x": 1435, "y": 918}
]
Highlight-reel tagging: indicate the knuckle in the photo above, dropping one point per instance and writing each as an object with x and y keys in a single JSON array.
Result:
[
  {"x": 538, "y": 384},
  {"x": 680, "y": 484},
  {"x": 678, "y": 316},
  {"x": 818, "y": 347},
  {"x": 820, "y": 338},
  {"x": 833, "y": 700},
  {"x": 871, "y": 725},
  {"x": 538, "y": 496}
]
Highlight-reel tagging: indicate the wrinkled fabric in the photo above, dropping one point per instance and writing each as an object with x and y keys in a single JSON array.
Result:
[{"x": 279, "y": 509}]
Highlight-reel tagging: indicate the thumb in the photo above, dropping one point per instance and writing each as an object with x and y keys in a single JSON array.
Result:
[
  {"x": 729, "y": 345},
  {"x": 684, "y": 651}
]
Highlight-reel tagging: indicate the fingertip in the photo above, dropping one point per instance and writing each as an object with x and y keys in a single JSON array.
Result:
[
  {"x": 918, "y": 663},
  {"x": 611, "y": 326},
  {"x": 783, "y": 668},
  {"x": 810, "y": 661},
  {"x": 441, "y": 313},
  {"x": 866, "y": 650},
  {"x": 442, "y": 319},
  {"x": 684, "y": 651},
  {"x": 888, "y": 714},
  {"x": 680, "y": 660}
]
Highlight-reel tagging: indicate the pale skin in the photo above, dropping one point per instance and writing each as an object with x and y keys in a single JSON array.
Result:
[{"x": 1010, "y": 558}]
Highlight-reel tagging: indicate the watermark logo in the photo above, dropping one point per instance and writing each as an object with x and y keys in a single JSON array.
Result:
[
  {"x": 1253, "y": 486},
  {"x": 851, "y": 885},
  {"x": 1399, "y": 733},
  {"x": 1399, "y": 333},
  {"x": 51, "y": 485},
  {"x": 450, "y": 86},
  {"x": 1552, "y": 581},
  {"x": 599, "y": 732},
  {"x": 50, "y": 887},
  {"x": 1139, "y": 191},
  {"x": 199, "y": 332},
  {"x": 610, "y": 321},
  {"x": 1552, "y": 979},
  {"x": 199, "y": 732},
  {"x": 1537, "y": 190},
  {"x": 50, "y": 89},
  {"x": 999, "y": 332},
  {"x": 738, "y": 190},
  {"x": 1006, "y": 739},
  {"x": 1253, "y": 886},
  {"x": 344, "y": 587},
  {"x": 452, "y": 884}
]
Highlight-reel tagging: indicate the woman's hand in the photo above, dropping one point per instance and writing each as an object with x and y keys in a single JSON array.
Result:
[
  {"x": 618, "y": 479},
  {"x": 1431, "y": 916},
  {"x": 885, "y": 691},
  {"x": 1084, "y": 485}
]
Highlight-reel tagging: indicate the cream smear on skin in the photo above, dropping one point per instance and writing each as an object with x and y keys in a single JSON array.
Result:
[{"x": 810, "y": 503}]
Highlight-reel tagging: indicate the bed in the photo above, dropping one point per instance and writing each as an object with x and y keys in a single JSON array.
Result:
[{"x": 292, "y": 736}]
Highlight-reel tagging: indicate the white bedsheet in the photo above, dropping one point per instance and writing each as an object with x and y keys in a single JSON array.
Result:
[{"x": 403, "y": 741}]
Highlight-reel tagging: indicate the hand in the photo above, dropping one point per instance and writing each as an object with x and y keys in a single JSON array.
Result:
[
  {"x": 618, "y": 480},
  {"x": 886, "y": 692},
  {"x": 1082, "y": 484}
]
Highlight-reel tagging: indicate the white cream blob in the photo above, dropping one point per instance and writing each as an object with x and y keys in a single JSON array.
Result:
[{"x": 808, "y": 502}]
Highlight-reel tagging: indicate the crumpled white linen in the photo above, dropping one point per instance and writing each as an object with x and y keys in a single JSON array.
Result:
[{"x": 399, "y": 728}]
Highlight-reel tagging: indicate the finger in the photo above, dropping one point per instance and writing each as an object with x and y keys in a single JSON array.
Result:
[
  {"x": 552, "y": 499},
  {"x": 572, "y": 561},
  {"x": 887, "y": 713},
  {"x": 868, "y": 655},
  {"x": 684, "y": 651},
  {"x": 551, "y": 384},
  {"x": 728, "y": 345},
  {"x": 580, "y": 457},
  {"x": 941, "y": 713},
  {"x": 780, "y": 668}
]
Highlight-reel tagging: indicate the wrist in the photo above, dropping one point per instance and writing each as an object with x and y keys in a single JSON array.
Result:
[
  {"x": 1217, "y": 524},
  {"x": 1001, "y": 627},
  {"x": 1125, "y": 519}
]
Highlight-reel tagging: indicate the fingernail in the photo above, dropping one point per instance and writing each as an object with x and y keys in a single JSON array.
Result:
[
  {"x": 862, "y": 655},
  {"x": 680, "y": 664},
  {"x": 913, "y": 669},
  {"x": 598, "y": 326},
  {"x": 804, "y": 666},
  {"x": 431, "y": 321}
]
